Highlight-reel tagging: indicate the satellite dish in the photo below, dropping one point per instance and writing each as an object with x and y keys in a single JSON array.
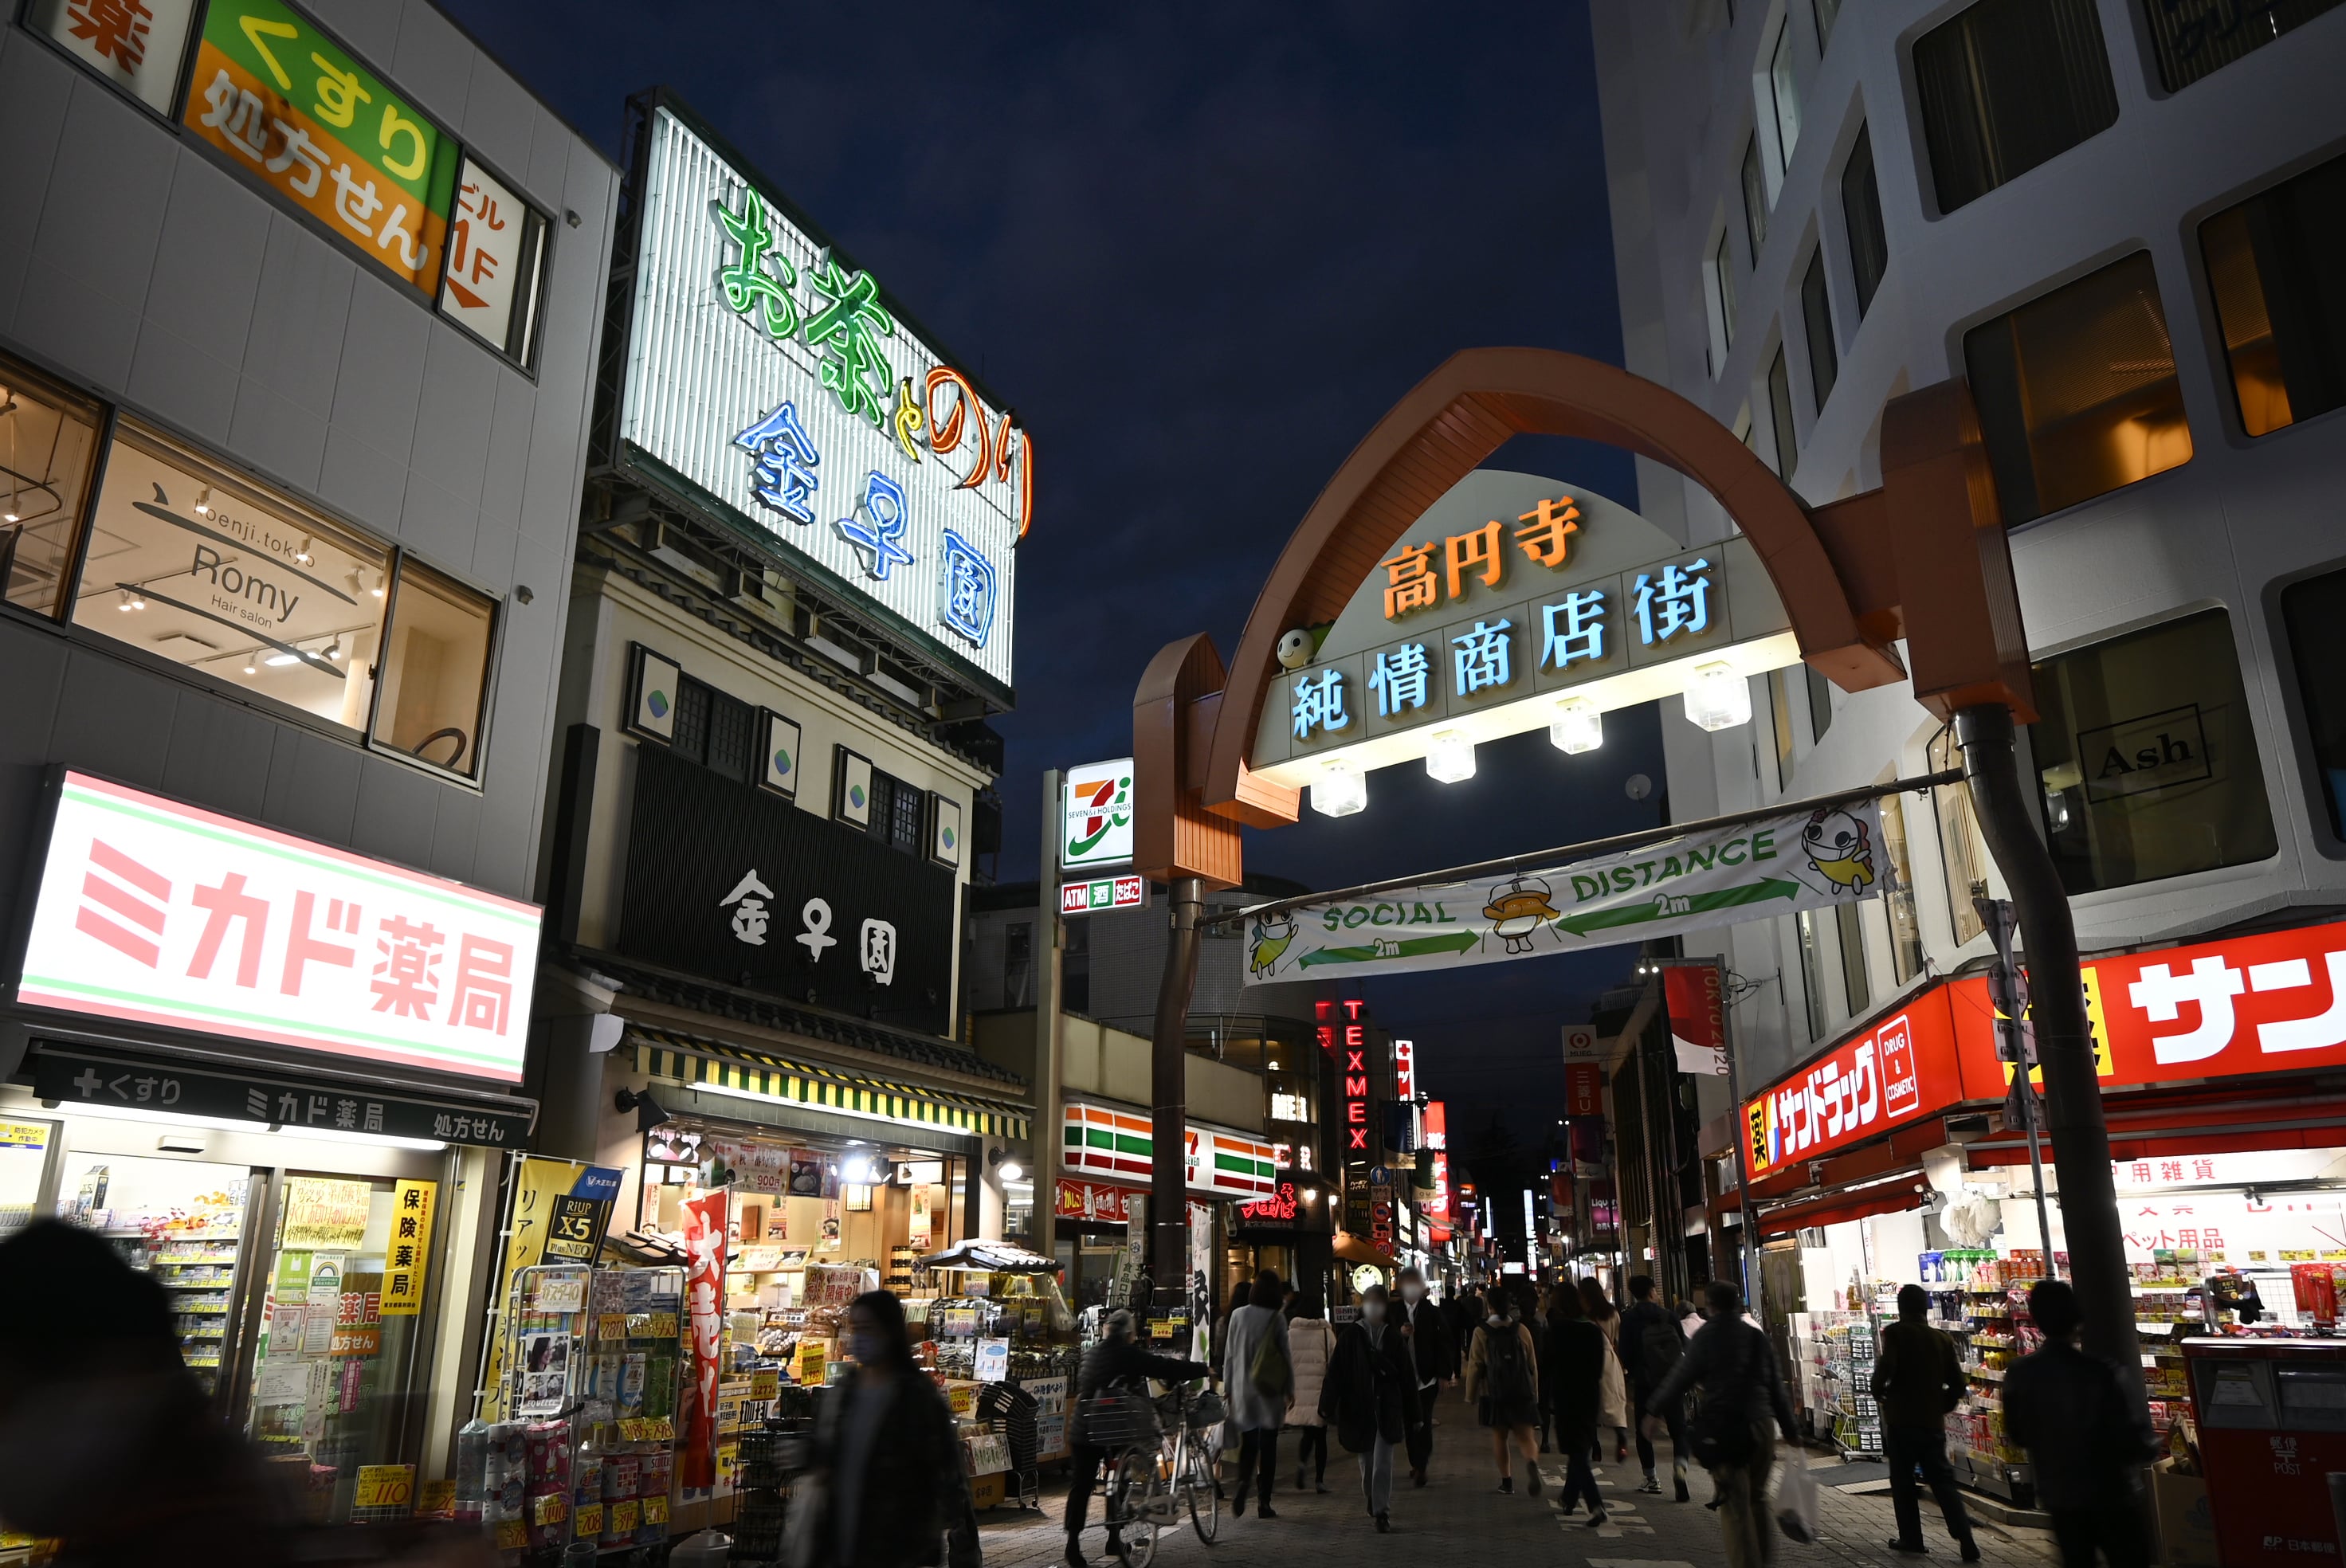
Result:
[{"x": 1639, "y": 787}]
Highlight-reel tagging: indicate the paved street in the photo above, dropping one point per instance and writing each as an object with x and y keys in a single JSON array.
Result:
[{"x": 1461, "y": 1509}]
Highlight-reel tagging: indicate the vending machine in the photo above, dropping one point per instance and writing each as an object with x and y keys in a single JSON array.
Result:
[{"x": 2271, "y": 1415}]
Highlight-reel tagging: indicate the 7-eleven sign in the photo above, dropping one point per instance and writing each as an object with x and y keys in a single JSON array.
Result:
[{"x": 1096, "y": 829}]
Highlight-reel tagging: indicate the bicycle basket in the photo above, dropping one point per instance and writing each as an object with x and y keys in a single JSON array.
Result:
[
  {"x": 1208, "y": 1410},
  {"x": 1120, "y": 1421}
]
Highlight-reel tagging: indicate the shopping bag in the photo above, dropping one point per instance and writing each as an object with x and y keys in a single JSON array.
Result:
[{"x": 1796, "y": 1500}]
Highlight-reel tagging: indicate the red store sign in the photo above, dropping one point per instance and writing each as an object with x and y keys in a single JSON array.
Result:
[
  {"x": 1091, "y": 1202},
  {"x": 2273, "y": 1002}
]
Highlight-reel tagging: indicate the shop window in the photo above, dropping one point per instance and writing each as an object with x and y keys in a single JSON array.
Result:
[
  {"x": 1861, "y": 210},
  {"x": 1856, "y": 985},
  {"x": 1898, "y": 896},
  {"x": 2193, "y": 38},
  {"x": 1784, "y": 95},
  {"x": 2077, "y": 392},
  {"x": 2274, "y": 267},
  {"x": 2008, "y": 85},
  {"x": 435, "y": 677},
  {"x": 1780, "y": 415},
  {"x": 2312, "y": 611},
  {"x": 1755, "y": 197},
  {"x": 1816, "y": 319},
  {"x": 2149, "y": 759},
  {"x": 200, "y": 568},
  {"x": 1828, "y": 12},
  {"x": 1076, "y": 967},
  {"x": 48, "y": 440},
  {"x": 1963, "y": 855}
]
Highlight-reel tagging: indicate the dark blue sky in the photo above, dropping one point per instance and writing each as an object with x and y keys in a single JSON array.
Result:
[{"x": 1201, "y": 249}]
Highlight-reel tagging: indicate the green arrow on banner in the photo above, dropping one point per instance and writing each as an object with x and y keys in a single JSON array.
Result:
[
  {"x": 1408, "y": 947},
  {"x": 1668, "y": 908}
]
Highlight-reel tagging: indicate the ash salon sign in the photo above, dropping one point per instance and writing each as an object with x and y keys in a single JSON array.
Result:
[{"x": 748, "y": 888}]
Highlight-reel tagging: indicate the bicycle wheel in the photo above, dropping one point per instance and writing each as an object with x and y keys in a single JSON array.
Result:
[
  {"x": 1136, "y": 1491},
  {"x": 1198, "y": 1482}
]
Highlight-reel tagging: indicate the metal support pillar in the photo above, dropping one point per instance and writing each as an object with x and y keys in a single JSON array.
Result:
[
  {"x": 1168, "y": 1202},
  {"x": 1049, "y": 951}
]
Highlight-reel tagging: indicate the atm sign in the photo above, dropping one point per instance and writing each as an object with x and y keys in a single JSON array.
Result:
[{"x": 1103, "y": 893}]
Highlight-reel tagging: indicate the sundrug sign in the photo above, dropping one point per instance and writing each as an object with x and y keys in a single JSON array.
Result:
[
  {"x": 153, "y": 912},
  {"x": 1868, "y": 1084}
]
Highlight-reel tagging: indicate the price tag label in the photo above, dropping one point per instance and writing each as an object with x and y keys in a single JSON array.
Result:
[
  {"x": 437, "y": 1500},
  {"x": 590, "y": 1519},
  {"x": 513, "y": 1535},
  {"x": 385, "y": 1486},
  {"x": 655, "y": 1510},
  {"x": 611, "y": 1326},
  {"x": 766, "y": 1385},
  {"x": 661, "y": 1430},
  {"x": 624, "y": 1516},
  {"x": 662, "y": 1326},
  {"x": 549, "y": 1508}
]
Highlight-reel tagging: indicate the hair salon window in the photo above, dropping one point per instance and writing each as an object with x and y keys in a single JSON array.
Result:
[
  {"x": 2146, "y": 757},
  {"x": 196, "y": 564},
  {"x": 47, "y": 440}
]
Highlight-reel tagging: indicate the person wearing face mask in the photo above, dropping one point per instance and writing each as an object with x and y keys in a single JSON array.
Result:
[
  {"x": 1371, "y": 1397},
  {"x": 891, "y": 1481},
  {"x": 1119, "y": 1362},
  {"x": 1433, "y": 1356},
  {"x": 1259, "y": 1371},
  {"x": 1503, "y": 1381}
]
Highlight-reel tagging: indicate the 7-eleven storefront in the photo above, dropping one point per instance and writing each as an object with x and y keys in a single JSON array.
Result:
[
  {"x": 1106, "y": 1155},
  {"x": 1888, "y": 1160}
]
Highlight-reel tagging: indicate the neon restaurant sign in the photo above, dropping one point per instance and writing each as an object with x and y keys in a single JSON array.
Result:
[{"x": 1517, "y": 602}]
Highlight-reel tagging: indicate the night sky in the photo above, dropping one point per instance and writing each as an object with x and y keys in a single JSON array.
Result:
[{"x": 1200, "y": 250}]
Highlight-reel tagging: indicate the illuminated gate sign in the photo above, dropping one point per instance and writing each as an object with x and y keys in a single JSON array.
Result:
[
  {"x": 771, "y": 375},
  {"x": 159, "y": 912}
]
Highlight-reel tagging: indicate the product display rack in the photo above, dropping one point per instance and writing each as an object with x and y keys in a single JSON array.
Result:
[{"x": 1845, "y": 1386}]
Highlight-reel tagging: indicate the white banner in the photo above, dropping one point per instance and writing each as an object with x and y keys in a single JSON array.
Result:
[{"x": 1799, "y": 860}]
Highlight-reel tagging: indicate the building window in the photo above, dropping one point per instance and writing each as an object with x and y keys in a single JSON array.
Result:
[
  {"x": 1856, "y": 985},
  {"x": 48, "y": 442},
  {"x": 1898, "y": 898},
  {"x": 1860, "y": 209},
  {"x": 2149, "y": 759},
  {"x": 2312, "y": 611},
  {"x": 1780, "y": 715},
  {"x": 1812, "y": 973},
  {"x": 2273, "y": 265},
  {"x": 1821, "y": 710},
  {"x": 436, "y": 678},
  {"x": 2193, "y": 38},
  {"x": 1816, "y": 319},
  {"x": 203, "y": 569},
  {"x": 1018, "y": 964},
  {"x": 1784, "y": 95},
  {"x": 1755, "y": 198},
  {"x": 2077, "y": 392},
  {"x": 1963, "y": 859},
  {"x": 1828, "y": 12},
  {"x": 1076, "y": 967},
  {"x": 1779, "y": 412},
  {"x": 2006, "y": 85},
  {"x": 1722, "y": 302},
  {"x": 690, "y": 736}
]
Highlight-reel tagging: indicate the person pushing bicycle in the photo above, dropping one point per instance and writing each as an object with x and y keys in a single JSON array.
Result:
[{"x": 1117, "y": 1363}]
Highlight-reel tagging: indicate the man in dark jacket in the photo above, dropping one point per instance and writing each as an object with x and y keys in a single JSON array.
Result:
[
  {"x": 1918, "y": 1379},
  {"x": 1744, "y": 1404},
  {"x": 1118, "y": 1362},
  {"x": 1370, "y": 1398},
  {"x": 1434, "y": 1352},
  {"x": 2087, "y": 1440},
  {"x": 1651, "y": 1346}
]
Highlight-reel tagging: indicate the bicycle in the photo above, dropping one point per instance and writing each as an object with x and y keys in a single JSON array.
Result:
[
  {"x": 1193, "y": 1456},
  {"x": 1156, "y": 1471}
]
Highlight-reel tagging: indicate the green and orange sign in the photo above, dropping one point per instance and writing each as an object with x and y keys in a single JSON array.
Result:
[{"x": 288, "y": 105}]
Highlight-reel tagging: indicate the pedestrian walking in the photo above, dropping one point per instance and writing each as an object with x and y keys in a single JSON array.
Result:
[
  {"x": 2086, "y": 1439},
  {"x": 1651, "y": 1343},
  {"x": 1744, "y": 1405},
  {"x": 1371, "y": 1397},
  {"x": 1311, "y": 1343},
  {"x": 1434, "y": 1355},
  {"x": 1613, "y": 1406},
  {"x": 1539, "y": 1325},
  {"x": 1119, "y": 1363},
  {"x": 1917, "y": 1380},
  {"x": 1503, "y": 1383},
  {"x": 1571, "y": 1379},
  {"x": 889, "y": 1466},
  {"x": 1259, "y": 1382}
]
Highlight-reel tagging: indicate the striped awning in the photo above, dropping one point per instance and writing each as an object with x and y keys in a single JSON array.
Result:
[{"x": 688, "y": 1060}]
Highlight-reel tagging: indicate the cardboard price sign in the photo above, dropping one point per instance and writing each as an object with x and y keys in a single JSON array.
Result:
[{"x": 385, "y": 1486}]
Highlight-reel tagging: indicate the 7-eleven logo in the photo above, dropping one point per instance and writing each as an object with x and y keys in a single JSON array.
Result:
[{"x": 1095, "y": 806}]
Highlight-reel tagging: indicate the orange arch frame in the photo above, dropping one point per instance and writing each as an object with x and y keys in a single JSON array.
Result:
[{"x": 1444, "y": 429}]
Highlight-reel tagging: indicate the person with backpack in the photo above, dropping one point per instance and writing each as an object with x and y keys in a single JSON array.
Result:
[
  {"x": 2088, "y": 1440},
  {"x": 1572, "y": 1380},
  {"x": 1313, "y": 1343},
  {"x": 1917, "y": 1380},
  {"x": 1259, "y": 1378},
  {"x": 1651, "y": 1344},
  {"x": 1371, "y": 1398},
  {"x": 1732, "y": 1434},
  {"x": 1503, "y": 1383}
]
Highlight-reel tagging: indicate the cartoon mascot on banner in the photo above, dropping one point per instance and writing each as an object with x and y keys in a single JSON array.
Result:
[{"x": 1841, "y": 848}]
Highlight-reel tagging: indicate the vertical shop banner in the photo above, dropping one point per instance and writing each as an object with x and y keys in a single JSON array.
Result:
[
  {"x": 1584, "y": 1089},
  {"x": 536, "y": 1186},
  {"x": 294, "y": 111},
  {"x": 407, "y": 1266},
  {"x": 1696, "y": 997},
  {"x": 704, "y": 1291}
]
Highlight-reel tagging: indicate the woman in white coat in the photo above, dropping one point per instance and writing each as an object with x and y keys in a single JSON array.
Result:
[
  {"x": 1310, "y": 1341},
  {"x": 1256, "y": 1409},
  {"x": 1613, "y": 1396}
]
